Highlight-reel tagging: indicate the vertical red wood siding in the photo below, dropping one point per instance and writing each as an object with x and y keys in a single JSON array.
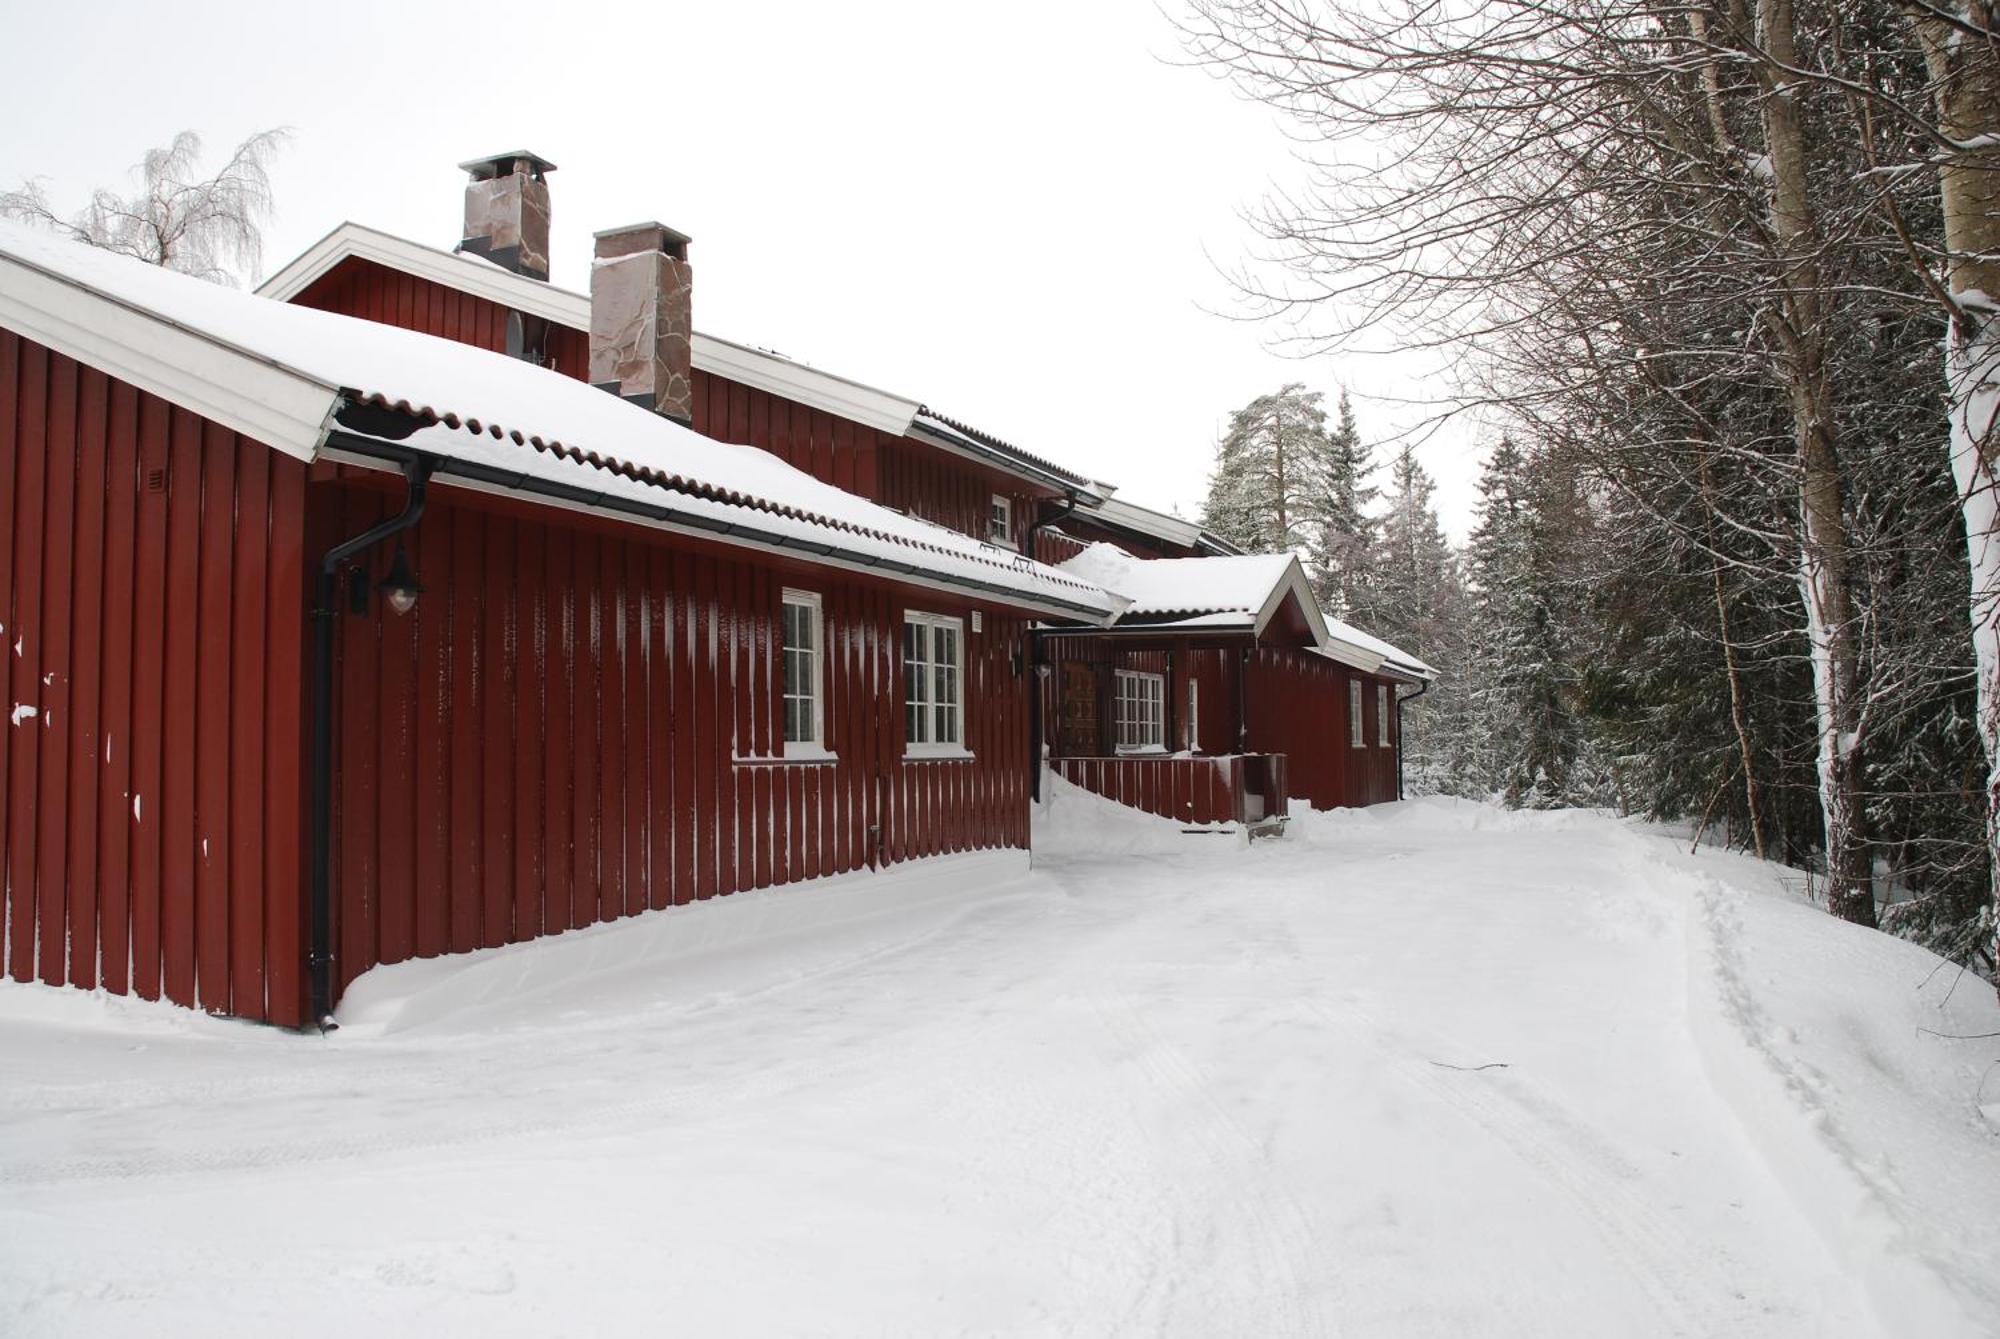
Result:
[
  {"x": 150, "y": 767},
  {"x": 629, "y": 684},
  {"x": 1298, "y": 705},
  {"x": 1296, "y": 701}
]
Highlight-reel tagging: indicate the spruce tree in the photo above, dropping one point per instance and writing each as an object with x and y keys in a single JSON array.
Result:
[{"x": 1342, "y": 533}]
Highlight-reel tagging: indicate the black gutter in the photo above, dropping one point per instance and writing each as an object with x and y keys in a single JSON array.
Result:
[
  {"x": 1400, "y": 700},
  {"x": 516, "y": 481},
  {"x": 320, "y": 962}
]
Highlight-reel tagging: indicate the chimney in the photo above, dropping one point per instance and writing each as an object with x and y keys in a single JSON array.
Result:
[
  {"x": 507, "y": 212},
  {"x": 642, "y": 319}
]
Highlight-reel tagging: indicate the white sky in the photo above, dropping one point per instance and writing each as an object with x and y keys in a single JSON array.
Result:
[{"x": 1016, "y": 213}]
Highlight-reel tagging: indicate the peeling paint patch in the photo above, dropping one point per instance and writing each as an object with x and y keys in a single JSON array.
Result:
[
  {"x": 22, "y": 712},
  {"x": 138, "y": 808}
]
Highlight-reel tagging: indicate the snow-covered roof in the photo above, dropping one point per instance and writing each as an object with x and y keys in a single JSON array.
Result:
[
  {"x": 758, "y": 368},
  {"x": 1242, "y": 592},
  {"x": 282, "y": 374},
  {"x": 1184, "y": 585}
]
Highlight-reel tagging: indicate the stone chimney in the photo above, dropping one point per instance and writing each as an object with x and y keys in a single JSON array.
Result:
[
  {"x": 507, "y": 212},
  {"x": 642, "y": 319}
]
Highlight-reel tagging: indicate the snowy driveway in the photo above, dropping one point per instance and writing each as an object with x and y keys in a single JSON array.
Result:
[{"x": 1184, "y": 1088}]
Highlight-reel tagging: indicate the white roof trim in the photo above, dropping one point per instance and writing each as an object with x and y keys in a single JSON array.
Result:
[
  {"x": 1146, "y": 521},
  {"x": 866, "y": 405},
  {"x": 1294, "y": 583},
  {"x": 244, "y": 392}
]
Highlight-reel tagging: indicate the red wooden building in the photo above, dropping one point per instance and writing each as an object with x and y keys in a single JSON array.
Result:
[
  {"x": 355, "y": 626},
  {"x": 643, "y": 667},
  {"x": 1287, "y": 691},
  {"x": 1219, "y": 667}
]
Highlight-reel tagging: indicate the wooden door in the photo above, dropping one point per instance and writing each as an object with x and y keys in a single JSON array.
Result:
[{"x": 1076, "y": 714}]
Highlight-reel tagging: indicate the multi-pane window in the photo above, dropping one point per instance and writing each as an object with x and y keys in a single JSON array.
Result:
[
  {"x": 1000, "y": 520},
  {"x": 933, "y": 678},
  {"x": 1140, "y": 711},
  {"x": 1382, "y": 714},
  {"x": 802, "y": 650},
  {"x": 1354, "y": 734}
]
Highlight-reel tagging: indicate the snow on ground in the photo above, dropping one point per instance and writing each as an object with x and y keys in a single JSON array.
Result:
[{"x": 1156, "y": 1084}]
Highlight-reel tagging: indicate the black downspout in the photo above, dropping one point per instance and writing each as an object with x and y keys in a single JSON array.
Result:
[
  {"x": 1243, "y": 701},
  {"x": 1400, "y": 700},
  {"x": 1035, "y": 530},
  {"x": 321, "y": 957},
  {"x": 1035, "y": 726}
]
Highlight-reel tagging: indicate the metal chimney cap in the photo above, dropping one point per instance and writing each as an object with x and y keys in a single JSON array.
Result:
[
  {"x": 636, "y": 237},
  {"x": 502, "y": 164}
]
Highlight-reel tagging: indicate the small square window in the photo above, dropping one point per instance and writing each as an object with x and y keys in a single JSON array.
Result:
[{"x": 1000, "y": 521}]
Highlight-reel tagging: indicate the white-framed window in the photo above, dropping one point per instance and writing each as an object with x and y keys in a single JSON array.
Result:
[
  {"x": 1000, "y": 520},
  {"x": 933, "y": 683},
  {"x": 1140, "y": 711},
  {"x": 1194, "y": 716},
  {"x": 1382, "y": 714},
  {"x": 804, "y": 641},
  {"x": 1354, "y": 732}
]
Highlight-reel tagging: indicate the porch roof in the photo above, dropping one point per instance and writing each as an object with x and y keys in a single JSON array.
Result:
[{"x": 1238, "y": 594}]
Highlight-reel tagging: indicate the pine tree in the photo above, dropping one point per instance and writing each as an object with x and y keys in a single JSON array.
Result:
[{"x": 1261, "y": 495}]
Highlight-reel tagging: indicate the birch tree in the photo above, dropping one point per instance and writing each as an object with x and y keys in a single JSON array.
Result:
[
  {"x": 207, "y": 226},
  {"x": 1961, "y": 49}
]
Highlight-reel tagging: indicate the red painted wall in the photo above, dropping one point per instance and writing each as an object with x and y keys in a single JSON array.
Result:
[
  {"x": 549, "y": 739},
  {"x": 154, "y": 589},
  {"x": 1298, "y": 705}
]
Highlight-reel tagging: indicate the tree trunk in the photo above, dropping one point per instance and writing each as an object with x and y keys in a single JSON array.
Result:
[
  {"x": 1737, "y": 716},
  {"x": 1824, "y": 579},
  {"x": 1965, "y": 82}
]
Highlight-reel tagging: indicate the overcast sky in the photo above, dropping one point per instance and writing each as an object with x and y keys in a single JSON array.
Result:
[{"x": 1016, "y": 214}]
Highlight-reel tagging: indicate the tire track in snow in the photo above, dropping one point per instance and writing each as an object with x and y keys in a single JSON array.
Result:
[
  {"x": 1281, "y": 1234},
  {"x": 1662, "y": 1257}
]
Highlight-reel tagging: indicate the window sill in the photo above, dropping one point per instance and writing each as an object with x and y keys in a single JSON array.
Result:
[
  {"x": 1143, "y": 751},
  {"x": 800, "y": 757},
  {"x": 938, "y": 755}
]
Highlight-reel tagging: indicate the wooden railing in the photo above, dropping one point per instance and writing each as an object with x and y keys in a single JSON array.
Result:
[{"x": 1245, "y": 788}]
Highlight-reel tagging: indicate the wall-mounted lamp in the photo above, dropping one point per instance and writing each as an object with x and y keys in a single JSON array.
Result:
[{"x": 401, "y": 588}]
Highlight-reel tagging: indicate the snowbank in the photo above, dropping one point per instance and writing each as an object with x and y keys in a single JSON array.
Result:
[
  {"x": 738, "y": 945},
  {"x": 1822, "y": 1035},
  {"x": 1072, "y": 823}
]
